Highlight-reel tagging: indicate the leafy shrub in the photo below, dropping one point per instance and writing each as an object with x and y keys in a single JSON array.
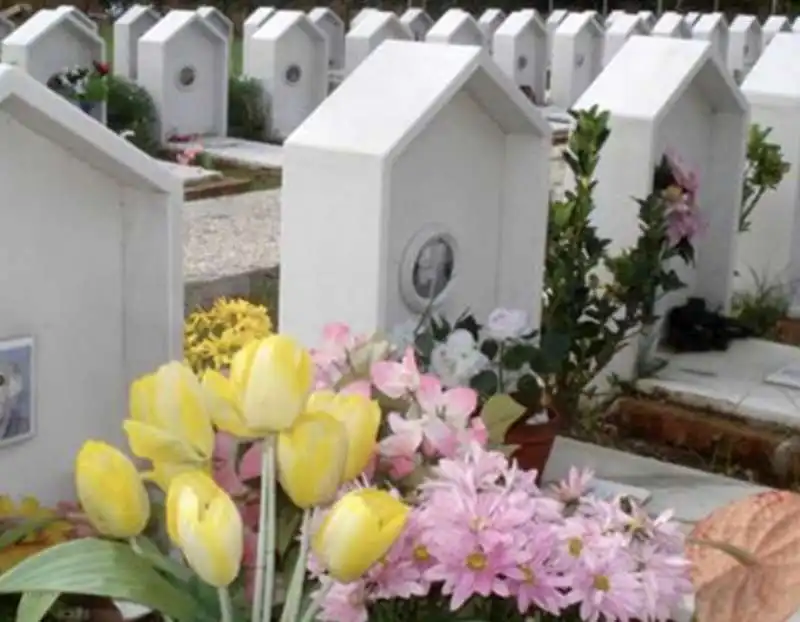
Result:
[
  {"x": 131, "y": 110},
  {"x": 247, "y": 113}
]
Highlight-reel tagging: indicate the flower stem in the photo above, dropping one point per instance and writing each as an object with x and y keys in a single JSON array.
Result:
[
  {"x": 316, "y": 604},
  {"x": 294, "y": 596},
  {"x": 270, "y": 527},
  {"x": 266, "y": 517},
  {"x": 225, "y": 605}
]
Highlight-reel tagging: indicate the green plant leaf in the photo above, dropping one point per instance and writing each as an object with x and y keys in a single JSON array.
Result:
[
  {"x": 499, "y": 413},
  {"x": 33, "y": 606},
  {"x": 98, "y": 568},
  {"x": 147, "y": 549},
  {"x": 23, "y": 530}
]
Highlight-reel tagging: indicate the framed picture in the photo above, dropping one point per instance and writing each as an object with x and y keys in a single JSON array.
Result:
[{"x": 17, "y": 393}]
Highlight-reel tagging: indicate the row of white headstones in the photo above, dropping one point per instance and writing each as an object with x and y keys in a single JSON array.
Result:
[
  {"x": 182, "y": 58},
  {"x": 424, "y": 152}
]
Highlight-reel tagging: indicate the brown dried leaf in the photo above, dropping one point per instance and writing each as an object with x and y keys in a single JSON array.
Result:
[{"x": 766, "y": 588}]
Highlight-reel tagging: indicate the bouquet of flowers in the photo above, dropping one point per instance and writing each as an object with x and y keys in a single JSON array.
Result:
[
  {"x": 359, "y": 467},
  {"x": 84, "y": 85}
]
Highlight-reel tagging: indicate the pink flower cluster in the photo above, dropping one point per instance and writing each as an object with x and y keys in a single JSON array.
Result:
[
  {"x": 435, "y": 422},
  {"x": 684, "y": 221},
  {"x": 482, "y": 529}
]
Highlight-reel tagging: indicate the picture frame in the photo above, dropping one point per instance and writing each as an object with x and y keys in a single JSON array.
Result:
[{"x": 18, "y": 419}]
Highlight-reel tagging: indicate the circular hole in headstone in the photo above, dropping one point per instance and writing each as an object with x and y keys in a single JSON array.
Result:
[
  {"x": 522, "y": 62},
  {"x": 293, "y": 74},
  {"x": 186, "y": 76},
  {"x": 579, "y": 60},
  {"x": 433, "y": 268}
]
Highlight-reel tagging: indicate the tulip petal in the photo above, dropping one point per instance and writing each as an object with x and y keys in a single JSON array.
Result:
[
  {"x": 110, "y": 490},
  {"x": 361, "y": 418},
  {"x": 240, "y": 365},
  {"x": 142, "y": 398},
  {"x": 158, "y": 445},
  {"x": 224, "y": 404},
  {"x": 311, "y": 458}
]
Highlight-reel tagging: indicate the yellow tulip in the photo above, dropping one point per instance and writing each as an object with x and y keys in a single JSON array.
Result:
[
  {"x": 358, "y": 531},
  {"x": 205, "y": 523},
  {"x": 266, "y": 389},
  {"x": 361, "y": 418},
  {"x": 169, "y": 421},
  {"x": 111, "y": 490},
  {"x": 311, "y": 459}
]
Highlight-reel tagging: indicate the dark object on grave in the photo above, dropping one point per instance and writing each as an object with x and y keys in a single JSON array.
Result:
[{"x": 694, "y": 328}]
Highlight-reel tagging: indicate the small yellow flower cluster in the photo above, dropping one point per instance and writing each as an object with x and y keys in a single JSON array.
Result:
[{"x": 211, "y": 338}]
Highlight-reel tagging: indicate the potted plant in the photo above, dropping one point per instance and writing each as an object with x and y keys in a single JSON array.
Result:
[{"x": 84, "y": 86}]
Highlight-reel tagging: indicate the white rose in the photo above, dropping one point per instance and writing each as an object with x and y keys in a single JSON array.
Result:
[
  {"x": 507, "y": 324},
  {"x": 458, "y": 359},
  {"x": 461, "y": 342}
]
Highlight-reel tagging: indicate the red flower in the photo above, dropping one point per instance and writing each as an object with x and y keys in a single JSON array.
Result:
[{"x": 101, "y": 68}]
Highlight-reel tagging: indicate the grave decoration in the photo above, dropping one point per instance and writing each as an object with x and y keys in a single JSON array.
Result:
[
  {"x": 370, "y": 530},
  {"x": 86, "y": 87}
]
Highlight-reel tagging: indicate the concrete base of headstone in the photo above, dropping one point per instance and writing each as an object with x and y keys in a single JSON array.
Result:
[{"x": 239, "y": 152}]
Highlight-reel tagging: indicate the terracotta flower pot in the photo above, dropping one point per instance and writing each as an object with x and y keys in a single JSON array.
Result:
[{"x": 534, "y": 441}]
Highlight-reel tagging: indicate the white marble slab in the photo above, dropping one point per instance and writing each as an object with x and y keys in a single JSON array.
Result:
[
  {"x": 246, "y": 153},
  {"x": 192, "y": 175},
  {"x": 738, "y": 382}
]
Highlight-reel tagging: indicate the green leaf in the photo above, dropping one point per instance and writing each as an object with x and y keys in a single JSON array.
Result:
[
  {"x": 498, "y": 414},
  {"x": 485, "y": 382},
  {"x": 33, "y": 606},
  {"x": 23, "y": 530},
  {"x": 98, "y": 568},
  {"x": 147, "y": 549}
]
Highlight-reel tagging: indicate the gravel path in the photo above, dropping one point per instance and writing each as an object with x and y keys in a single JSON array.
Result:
[{"x": 238, "y": 234}]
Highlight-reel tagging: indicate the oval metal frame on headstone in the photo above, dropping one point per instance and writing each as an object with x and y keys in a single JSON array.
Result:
[
  {"x": 409, "y": 290},
  {"x": 186, "y": 77},
  {"x": 293, "y": 74}
]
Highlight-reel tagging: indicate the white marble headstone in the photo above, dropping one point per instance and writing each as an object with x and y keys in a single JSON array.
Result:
[
  {"x": 713, "y": 27},
  {"x": 489, "y": 22},
  {"x": 520, "y": 49},
  {"x": 623, "y": 28},
  {"x": 52, "y": 41},
  {"x": 332, "y": 27},
  {"x": 691, "y": 18},
  {"x": 290, "y": 58},
  {"x": 250, "y": 26},
  {"x": 218, "y": 20},
  {"x": 183, "y": 64},
  {"x": 648, "y": 18},
  {"x": 77, "y": 14},
  {"x": 745, "y": 44},
  {"x": 109, "y": 216},
  {"x": 356, "y": 19},
  {"x": 773, "y": 25},
  {"x": 672, "y": 25},
  {"x": 369, "y": 33},
  {"x": 769, "y": 251},
  {"x": 552, "y": 22},
  {"x": 369, "y": 178},
  {"x": 458, "y": 27},
  {"x": 690, "y": 107},
  {"x": 577, "y": 58},
  {"x": 128, "y": 29},
  {"x": 417, "y": 21}
]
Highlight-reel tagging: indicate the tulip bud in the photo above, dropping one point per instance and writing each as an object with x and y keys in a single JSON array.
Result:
[
  {"x": 111, "y": 491},
  {"x": 358, "y": 531},
  {"x": 274, "y": 377},
  {"x": 311, "y": 459},
  {"x": 361, "y": 418},
  {"x": 205, "y": 523}
]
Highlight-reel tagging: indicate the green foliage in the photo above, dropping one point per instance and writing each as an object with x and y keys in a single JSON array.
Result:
[
  {"x": 765, "y": 170},
  {"x": 587, "y": 320},
  {"x": 247, "y": 112},
  {"x": 499, "y": 413},
  {"x": 760, "y": 310},
  {"x": 131, "y": 111},
  {"x": 94, "y": 567}
]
